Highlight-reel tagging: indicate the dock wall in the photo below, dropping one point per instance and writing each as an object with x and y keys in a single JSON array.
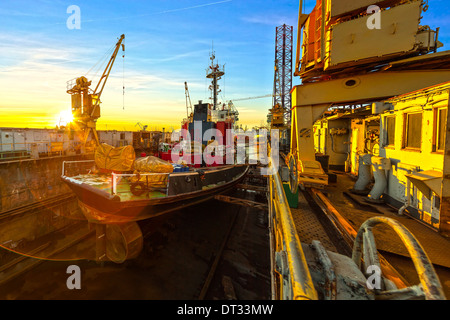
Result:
[{"x": 24, "y": 182}]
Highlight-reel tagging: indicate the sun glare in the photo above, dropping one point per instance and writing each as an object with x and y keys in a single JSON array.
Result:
[{"x": 65, "y": 117}]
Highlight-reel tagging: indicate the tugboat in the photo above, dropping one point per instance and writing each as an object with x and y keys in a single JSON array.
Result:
[{"x": 127, "y": 196}]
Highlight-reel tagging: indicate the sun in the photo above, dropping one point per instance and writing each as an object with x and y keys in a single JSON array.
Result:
[{"x": 65, "y": 117}]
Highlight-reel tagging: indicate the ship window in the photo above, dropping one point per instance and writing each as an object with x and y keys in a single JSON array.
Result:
[
  {"x": 413, "y": 131},
  {"x": 389, "y": 132},
  {"x": 440, "y": 120},
  {"x": 437, "y": 201}
]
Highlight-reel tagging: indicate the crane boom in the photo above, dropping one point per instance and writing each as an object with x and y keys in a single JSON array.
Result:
[
  {"x": 188, "y": 98},
  {"x": 106, "y": 73}
]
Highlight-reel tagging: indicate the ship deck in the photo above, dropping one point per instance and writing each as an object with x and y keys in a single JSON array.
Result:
[
  {"x": 155, "y": 185},
  {"x": 354, "y": 210},
  {"x": 104, "y": 183}
]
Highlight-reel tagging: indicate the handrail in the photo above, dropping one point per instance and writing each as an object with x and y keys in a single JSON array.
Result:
[
  {"x": 296, "y": 272},
  {"x": 43, "y": 147},
  {"x": 76, "y": 161},
  {"x": 114, "y": 176}
]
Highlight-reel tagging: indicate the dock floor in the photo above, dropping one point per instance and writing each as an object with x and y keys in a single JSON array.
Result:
[{"x": 356, "y": 210}]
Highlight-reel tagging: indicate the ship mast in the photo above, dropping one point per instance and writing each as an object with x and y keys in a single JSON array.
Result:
[{"x": 214, "y": 72}]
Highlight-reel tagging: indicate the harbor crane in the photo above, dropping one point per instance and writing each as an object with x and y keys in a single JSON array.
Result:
[
  {"x": 143, "y": 127},
  {"x": 188, "y": 99},
  {"x": 86, "y": 102}
]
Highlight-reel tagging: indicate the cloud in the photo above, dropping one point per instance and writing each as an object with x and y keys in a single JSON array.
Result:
[
  {"x": 175, "y": 57},
  {"x": 271, "y": 20},
  {"x": 35, "y": 78},
  {"x": 160, "y": 12}
]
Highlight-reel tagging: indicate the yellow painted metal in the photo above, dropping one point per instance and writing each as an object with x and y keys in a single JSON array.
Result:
[
  {"x": 342, "y": 7},
  {"x": 287, "y": 240},
  {"x": 311, "y": 174},
  {"x": 423, "y": 166},
  {"x": 85, "y": 104},
  {"x": 302, "y": 137},
  {"x": 353, "y": 41},
  {"x": 310, "y": 171},
  {"x": 277, "y": 113},
  {"x": 427, "y": 182},
  {"x": 347, "y": 38},
  {"x": 369, "y": 87}
]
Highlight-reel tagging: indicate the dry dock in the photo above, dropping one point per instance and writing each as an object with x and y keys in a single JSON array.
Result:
[
  {"x": 217, "y": 250},
  {"x": 211, "y": 251}
]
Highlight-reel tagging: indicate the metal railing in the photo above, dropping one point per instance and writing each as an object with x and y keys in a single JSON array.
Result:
[
  {"x": 37, "y": 149},
  {"x": 116, "y": 177},
  {"x": 76, "y": 161},
  {"x": 289, "y": 263}
]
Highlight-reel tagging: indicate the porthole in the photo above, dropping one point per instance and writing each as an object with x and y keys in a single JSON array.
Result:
[{"x": 351, "y": 83}]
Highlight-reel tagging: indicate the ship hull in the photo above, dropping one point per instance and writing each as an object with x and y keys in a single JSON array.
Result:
[{"x": 100, "y": 207}]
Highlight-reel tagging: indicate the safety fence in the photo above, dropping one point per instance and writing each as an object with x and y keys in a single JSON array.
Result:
[{"x": 35, "y": 150}]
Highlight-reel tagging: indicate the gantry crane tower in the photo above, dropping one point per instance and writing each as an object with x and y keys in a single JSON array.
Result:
[
  {"x": 85, "y": 102},
  {"x": 283, "y": 70}
]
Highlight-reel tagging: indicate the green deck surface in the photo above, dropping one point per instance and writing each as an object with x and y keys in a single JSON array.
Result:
[{"x": 103, "y": 182}]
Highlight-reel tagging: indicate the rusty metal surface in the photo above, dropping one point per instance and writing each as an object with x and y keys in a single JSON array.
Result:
[
  {"x": 355, "y": 210},
  {"x": 329, "y": 272},
  {"x": 430, "y": 286},
  {"x": 335, "y": 276},
  {"x": 349, "y": 234}
]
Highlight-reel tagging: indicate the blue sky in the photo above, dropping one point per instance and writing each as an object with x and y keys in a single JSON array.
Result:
[{"x": 167, "y": 43}]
